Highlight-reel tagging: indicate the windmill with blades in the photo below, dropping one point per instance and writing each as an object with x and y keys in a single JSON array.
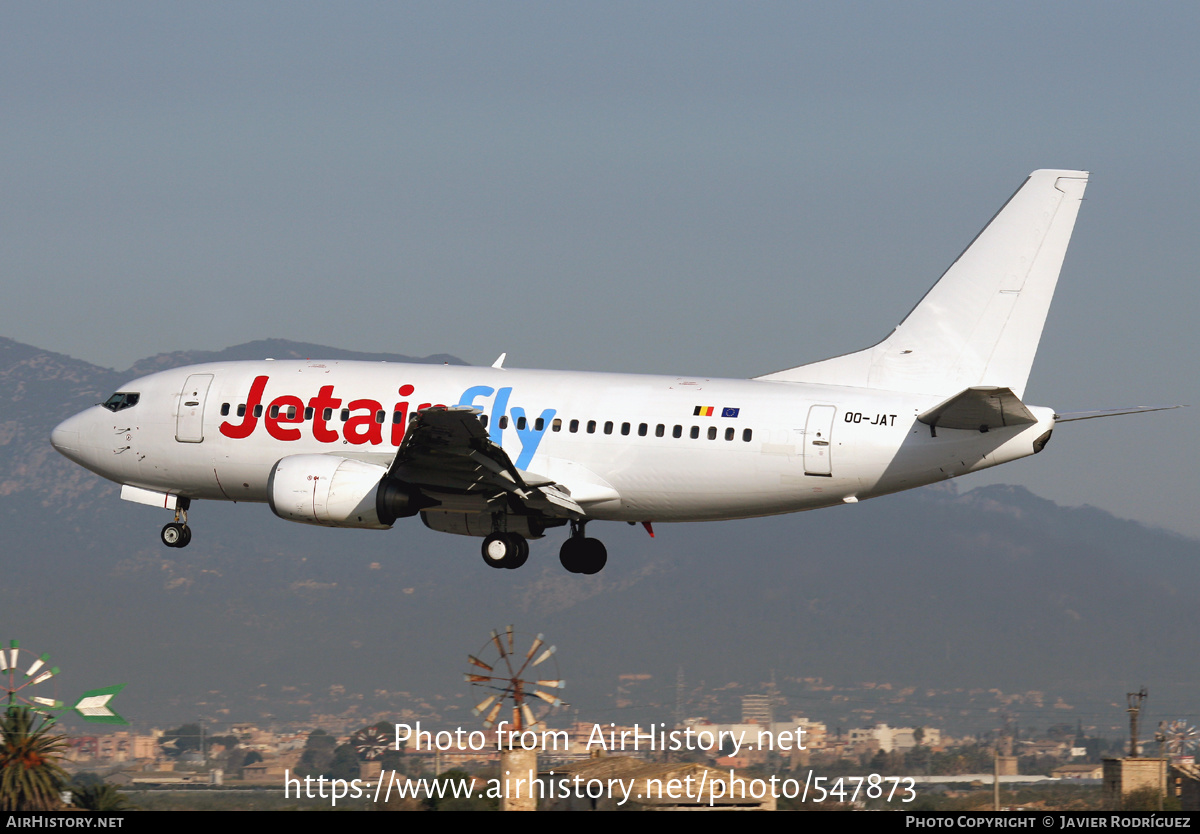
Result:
[
  {"x": 510, "y": 679},
  {"x": 1179, "y": 739},
  {"x": 28, "y": 682}
]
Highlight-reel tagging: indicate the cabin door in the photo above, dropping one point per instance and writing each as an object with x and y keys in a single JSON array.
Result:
[{"x": 818, "y": 438}]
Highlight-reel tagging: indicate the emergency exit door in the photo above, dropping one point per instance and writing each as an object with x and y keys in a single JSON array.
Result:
[{"x": 818, "y": 441}]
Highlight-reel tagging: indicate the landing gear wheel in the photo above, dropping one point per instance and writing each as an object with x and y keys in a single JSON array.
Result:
[
  {"x": 580, "y": 555},
  {"x": 176, "y": 535},
  {"x": 522, "y": 554},
  {"x": 568, "y": 554},
  {"x": 495, "y": 550},
  {"x": 505, "y": 550},
  {"x": 595, "y": 556}
]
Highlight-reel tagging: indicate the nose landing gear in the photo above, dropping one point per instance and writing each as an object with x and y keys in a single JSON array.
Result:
[{"x": 177, "y": 533}]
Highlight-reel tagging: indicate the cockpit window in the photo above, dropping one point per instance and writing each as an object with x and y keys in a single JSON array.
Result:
[{"x": 121, "y": 401}]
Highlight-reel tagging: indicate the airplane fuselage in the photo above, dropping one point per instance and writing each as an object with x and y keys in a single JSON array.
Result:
[
  {"x": 504, "y": 454},
  {"x": 631, "y": 447}
]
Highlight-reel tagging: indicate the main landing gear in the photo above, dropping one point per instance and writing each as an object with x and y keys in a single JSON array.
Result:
[
  {"x": 582, "y": 555},
  {"x": 579, "y": 554},
  {"x": 177, "y": 533},
  {"x": 505, "y": 550}
]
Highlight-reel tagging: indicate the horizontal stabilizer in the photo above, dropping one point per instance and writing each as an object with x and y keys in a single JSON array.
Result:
[
  {"x": 1071, "y": 416},
  {"x": 979, "y": 409}
]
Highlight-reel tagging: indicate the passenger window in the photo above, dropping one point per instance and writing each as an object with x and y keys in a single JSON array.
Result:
[
  {"x": 380, "y": 416},
  {"x": 224, "y": 409},
  {"x": 660, "y": 430},
  {"x": 591, "y": 426},
  {"x": 695, "y": 432},
  {"x": 397, "y": 416},
  {"x": 274, "y": 412},
  {"x": 291, "y": 413},
  {"x": 258, "y": 411},
  {"x": 504, "y": 422},
  {"x": 242, "y": 410},
  {"x": 746, "y": 435},
  {"x": 574, "y": 426},
  {"x": 308, "y": 413},
  {"x": 642, "y": 429},
  {"x": 556, "y": 425},
  {"x": 345, "y": 415},
  {"x": 624, "y": 428},
  {"x": 327, "y": 415},
  {"x": 712, "y": 432},
  {"x": 483, "y": 418},
  {"x": 608, "y": 426},
  {"x": 677, "y": 431},
  {"x": 539, "y": 424},
  {"x": 521, "y": 424},
  {"x": 729, "y": 432}
]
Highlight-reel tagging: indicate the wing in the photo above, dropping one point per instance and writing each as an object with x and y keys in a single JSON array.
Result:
[{"x": 447, "y": 452}]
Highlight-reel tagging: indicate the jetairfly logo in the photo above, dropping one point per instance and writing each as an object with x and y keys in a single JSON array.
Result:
[
  {"x": 528, "y": 431},
  {"x": 363, "y": 421}
]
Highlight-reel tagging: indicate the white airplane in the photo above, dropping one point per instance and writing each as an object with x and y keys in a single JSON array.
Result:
[{"x": 506, "y": 454}]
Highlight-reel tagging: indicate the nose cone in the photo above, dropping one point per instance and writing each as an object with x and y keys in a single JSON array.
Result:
[{"x": 68, "y": 435}]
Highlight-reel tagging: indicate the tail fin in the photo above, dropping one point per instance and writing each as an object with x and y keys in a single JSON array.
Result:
[{"x": 981, "y": 322}]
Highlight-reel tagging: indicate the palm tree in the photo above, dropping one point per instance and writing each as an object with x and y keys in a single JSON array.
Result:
[
  {"x": 101, "y": 798},
  {"x": 30, "y": 776}
]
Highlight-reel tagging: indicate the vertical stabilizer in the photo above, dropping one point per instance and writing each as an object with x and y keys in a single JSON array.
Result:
[{"x": 981, "y": 322}]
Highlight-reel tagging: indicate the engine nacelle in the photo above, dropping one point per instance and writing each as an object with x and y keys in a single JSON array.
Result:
[{"x": 338, "y": 492}]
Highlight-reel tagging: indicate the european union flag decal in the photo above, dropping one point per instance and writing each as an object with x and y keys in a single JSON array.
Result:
[{"x": 730, "y": 412}]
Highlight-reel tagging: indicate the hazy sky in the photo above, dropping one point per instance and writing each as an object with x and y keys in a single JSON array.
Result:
[{"x": 719, "y": 189}]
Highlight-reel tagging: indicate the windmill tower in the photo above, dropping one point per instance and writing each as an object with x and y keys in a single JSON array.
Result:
[{"x": 514, "y": 685}]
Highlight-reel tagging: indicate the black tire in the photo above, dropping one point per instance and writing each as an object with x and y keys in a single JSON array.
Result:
[
  {"x": 187, "y": 537},
  {"x": 595, "y": 556},
  {"x": 570, "y": 554},
  {"x": 173, "y": 534},
  {"x": 521, "y": 555}
]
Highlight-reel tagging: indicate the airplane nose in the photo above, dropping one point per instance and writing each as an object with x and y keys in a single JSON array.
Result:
[{"x": 67, "y": 438}]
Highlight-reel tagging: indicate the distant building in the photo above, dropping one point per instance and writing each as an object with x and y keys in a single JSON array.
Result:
[
  {"x": 272, "y": 769},
  {"x": 885, "y": 738},
  {"x": 1124, "y": 776},
  {"x": 756, "y": 709},
  {"x": 121, "y": 746}
]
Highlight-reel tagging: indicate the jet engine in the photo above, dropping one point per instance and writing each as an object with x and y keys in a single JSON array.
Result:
[{"x": 339, "y": 492}]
